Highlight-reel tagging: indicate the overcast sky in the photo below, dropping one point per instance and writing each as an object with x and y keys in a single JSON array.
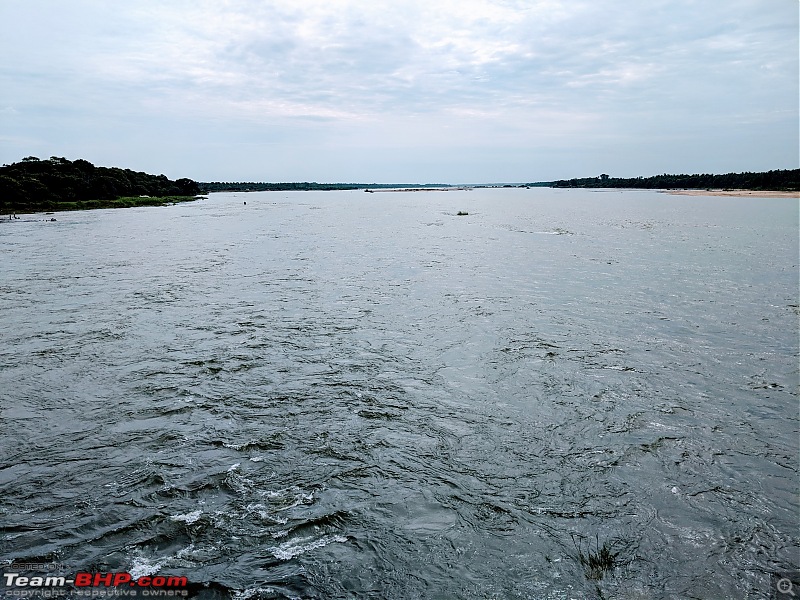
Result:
[{"x": 459, "y": 91}]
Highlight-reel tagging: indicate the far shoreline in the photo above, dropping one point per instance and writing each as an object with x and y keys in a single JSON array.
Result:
[{"x": 734, "y": 193}]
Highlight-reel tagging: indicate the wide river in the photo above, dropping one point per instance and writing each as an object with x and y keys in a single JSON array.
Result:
[{"x": 563, "y": 394}]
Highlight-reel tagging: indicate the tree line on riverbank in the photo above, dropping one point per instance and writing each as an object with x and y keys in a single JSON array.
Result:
[
  {"x": 34, "y": 185},
  {"x": 788, "y": 180}
]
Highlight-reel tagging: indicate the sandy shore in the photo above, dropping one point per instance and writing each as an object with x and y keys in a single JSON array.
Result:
[{"x": 738, "y": 193}]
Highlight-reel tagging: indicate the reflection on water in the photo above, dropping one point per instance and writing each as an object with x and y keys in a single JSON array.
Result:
[{"x": 338, "y": 394}]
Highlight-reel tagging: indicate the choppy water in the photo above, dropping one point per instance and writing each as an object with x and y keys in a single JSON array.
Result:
[{"x": 339, "y": 394}]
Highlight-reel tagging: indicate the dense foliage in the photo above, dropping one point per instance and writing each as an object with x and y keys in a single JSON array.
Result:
[
  {"x": 770, "y": 180},
  {"x": 33, "y": 185},
  {"x": 244, "y": 186}
]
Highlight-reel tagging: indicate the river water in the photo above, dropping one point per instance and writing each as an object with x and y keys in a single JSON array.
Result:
[{"x": 350, "y": 395}]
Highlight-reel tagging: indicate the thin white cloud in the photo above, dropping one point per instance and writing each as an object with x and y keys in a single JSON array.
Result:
[{"x": 477, "y": 72}]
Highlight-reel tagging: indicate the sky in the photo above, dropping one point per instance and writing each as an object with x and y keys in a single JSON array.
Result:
[{"x": 402, "y": 91}]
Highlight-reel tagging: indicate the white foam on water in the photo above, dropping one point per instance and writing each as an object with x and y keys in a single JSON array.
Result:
[
  {"x": 292, "y": 548},
  {"x": 143, "y": 567},
  {"x": 250, "y": 592},
  {"x": 293, "y": 495},
  {"x": 264, "y": 513},
  {"x": 188, "y": 518}
]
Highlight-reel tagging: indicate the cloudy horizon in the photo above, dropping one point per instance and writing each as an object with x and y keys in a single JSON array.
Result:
[{"x": 348, "y": 90}]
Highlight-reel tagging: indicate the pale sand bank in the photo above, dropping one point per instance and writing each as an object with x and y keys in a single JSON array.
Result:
[{"x": 738, "y": 193}]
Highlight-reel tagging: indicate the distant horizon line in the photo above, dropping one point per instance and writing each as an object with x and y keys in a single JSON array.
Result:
[
  {"x": 782, "y": 179},
  {"x": 518, "y": 183},
  {"x": 602, "y": 176}
]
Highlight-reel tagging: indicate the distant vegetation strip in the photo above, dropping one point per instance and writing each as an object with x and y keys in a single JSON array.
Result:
[
  {"x": 788, "y": 180},
  {"x": 253, "y": 186},
  {"x": 34, "y": 185}
]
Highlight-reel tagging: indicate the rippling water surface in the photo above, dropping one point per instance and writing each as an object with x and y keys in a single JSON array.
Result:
[{"x": 339, "y": 394}]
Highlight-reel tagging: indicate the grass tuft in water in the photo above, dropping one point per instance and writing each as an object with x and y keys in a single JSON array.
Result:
[{"x": 596, "y": 563}]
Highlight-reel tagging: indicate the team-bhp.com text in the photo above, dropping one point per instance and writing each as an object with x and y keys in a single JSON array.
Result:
[{"x": 158, "y": 585}]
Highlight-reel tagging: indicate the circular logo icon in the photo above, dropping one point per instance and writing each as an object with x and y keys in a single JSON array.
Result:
[{"x": 785, "y": 586}]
